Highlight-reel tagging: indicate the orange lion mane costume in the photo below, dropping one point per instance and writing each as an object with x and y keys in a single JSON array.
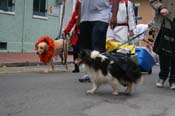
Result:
[{"x": 46, "y": 56}]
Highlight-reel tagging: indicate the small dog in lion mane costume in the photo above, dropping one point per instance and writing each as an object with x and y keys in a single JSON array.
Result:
[{"x": 47, "y": 48}]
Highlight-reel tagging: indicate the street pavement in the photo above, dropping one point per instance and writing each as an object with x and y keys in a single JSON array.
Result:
[{"x": 32, "y": 92}]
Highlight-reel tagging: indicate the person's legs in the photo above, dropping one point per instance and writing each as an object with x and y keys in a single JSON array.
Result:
[
  {"x": 75, "y": 56},
  {"x": 98, "y": 40},
  {"x": 84, "y": 40},
  {"x": 172, "y": 73},
  {"x": 164, "y": 70},
  {"x": 99, "y": 35}
]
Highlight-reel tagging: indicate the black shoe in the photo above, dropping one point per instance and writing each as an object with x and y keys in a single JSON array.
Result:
[
  {"x": 85, "y": 78},
  {"x": 76, "y": 70}
]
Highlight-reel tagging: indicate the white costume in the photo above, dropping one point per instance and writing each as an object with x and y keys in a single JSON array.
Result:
[
  {"x": 140, "y": 28},
  {"x": 125, "y": 19}
]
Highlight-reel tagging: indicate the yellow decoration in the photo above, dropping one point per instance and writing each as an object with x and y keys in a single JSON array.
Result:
[{"x": 110, "y": 45}]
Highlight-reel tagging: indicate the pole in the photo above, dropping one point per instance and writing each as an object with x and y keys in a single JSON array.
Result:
[{"x": 62, "y": 17}]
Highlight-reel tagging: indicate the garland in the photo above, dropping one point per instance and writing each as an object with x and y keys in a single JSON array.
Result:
[{"x": 46, "y": 56}]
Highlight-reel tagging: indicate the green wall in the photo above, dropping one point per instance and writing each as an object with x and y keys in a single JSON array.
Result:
[{"x": 22, "y": 30}]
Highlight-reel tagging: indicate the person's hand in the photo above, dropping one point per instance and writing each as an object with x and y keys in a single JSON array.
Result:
[
  {"x": 131, "y": 33},
  {"x": 164, "y": 12},
  {"x": 64, "y": 33},
  {"x": 113, "y": 22},
  {"x": 77, "y": 23},
  {"x": 148, "y": 43}
]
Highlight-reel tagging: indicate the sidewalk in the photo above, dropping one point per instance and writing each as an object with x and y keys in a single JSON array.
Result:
[{"x": 13, "y": 59}]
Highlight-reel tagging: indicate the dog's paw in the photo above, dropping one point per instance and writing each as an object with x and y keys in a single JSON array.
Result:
[
  {"x": 46, "y": 71},
  {"x": 115, "y": 93},
  {"x": 90, "y": 92},
  {"x": 128, "y": 92}
]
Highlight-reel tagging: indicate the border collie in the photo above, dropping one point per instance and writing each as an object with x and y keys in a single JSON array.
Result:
[{"x": 107, "y": 68}]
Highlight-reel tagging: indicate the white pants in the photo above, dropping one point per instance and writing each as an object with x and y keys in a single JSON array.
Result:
[{"x": 120, "y": 33}]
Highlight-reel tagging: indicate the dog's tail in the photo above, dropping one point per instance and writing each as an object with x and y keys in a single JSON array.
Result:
[{"x": 140, "y": 80}]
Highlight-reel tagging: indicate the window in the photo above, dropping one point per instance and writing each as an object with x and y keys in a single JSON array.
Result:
[
  {"x": 40, "y": 7},
  {"x": 7, "y": 5},
  {"x": 3, "y": 45}
]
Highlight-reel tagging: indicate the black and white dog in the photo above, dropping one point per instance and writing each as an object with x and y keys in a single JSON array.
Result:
[{"x": 110, "y": 69}]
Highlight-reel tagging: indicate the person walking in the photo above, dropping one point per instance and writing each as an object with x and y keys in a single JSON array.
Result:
[
  {"x": 72, "y": 25},
  {"x": 165, "y": 10},
  {"x": 125, "y": 22},
  {"x": 95, "y": 16}
]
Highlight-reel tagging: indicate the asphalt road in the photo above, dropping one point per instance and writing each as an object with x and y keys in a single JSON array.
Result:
[{"x": 34, "y": 93}]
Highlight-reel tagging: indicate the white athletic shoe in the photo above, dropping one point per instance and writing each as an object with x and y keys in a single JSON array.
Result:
[
  {"x": 160, "y": 83},
  {"x": 172, "y": 86}
]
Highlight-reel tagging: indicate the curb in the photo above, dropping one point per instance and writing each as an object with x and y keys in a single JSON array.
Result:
[{"x": 21, "y": 64}]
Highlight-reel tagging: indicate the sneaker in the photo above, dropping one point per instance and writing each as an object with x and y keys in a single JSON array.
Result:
[
  {"x": 172, "y": 86},
  {"x": 160, "y": 83},
  {"x": 85, "y": 78}
]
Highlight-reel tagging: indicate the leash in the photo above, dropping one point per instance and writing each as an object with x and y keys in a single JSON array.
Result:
[
  {"x": 138, "y": 35},
  {"x": 126, "y": 42},
  {"x": 65, "y": 37}
]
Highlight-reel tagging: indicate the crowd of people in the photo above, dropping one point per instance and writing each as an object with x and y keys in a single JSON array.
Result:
[{"x": 93, "y": 21}]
